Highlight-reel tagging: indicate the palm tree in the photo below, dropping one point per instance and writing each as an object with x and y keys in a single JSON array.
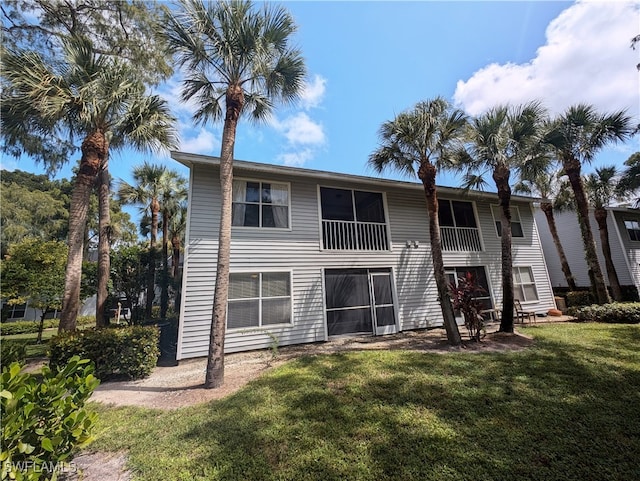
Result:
[
  {"x": 601, "y": 188},
  {"x": 239, "y": 62},
  {"x": 146, "y": 192},
  {"x": 629, "y": 181},
  {"x": 173, "y": 193},
  {"x": 576, "y": 136},
  {"x": 418, "y": 142},
  {"x": 87, "y": 95},
  {"x": 500, "y": 142},
  {"x": 551, "y": 189}
]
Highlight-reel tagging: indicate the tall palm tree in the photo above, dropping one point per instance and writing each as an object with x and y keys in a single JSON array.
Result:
[
  {"x": 96, "y": 98},
  {"x": 239, "y": 62},
  {"x": 601, "y": 189},
  {"x": 548, "y": 185},
  {"x": 418, "y": 142},
  {"x": 173, "y": 193},
  {"x": 576, "y": 136},
  {"x": 500, "y": 142},
  {"x": 146, "y": 192}
]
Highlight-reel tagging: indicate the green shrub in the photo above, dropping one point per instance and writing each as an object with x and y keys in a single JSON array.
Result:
[
  {"x": 579, "y": 298},
  {"x": 30, "y": 327},
  {"x": 13, "y": 351},
  {"x": 43, "y": 418},
  {"x": 615, "y": 313},
  {"x": 129, "y": 352}
]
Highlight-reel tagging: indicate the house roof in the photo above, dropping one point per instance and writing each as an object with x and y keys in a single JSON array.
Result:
[{"x": 189, "y": 160}]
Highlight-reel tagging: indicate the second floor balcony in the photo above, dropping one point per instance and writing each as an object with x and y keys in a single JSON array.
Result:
[{"x": 460, "y": 239}]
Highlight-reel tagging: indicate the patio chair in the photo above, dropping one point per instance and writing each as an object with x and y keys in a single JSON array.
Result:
[{"x": 521, "y": 314}]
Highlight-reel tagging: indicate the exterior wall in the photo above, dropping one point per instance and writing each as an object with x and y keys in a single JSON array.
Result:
[
  {"x": 298, "y": 250},
  {"x": 631, "y": 249},
  {"x": 571, "y": 239}
]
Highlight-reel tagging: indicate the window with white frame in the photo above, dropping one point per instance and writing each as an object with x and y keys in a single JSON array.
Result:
[
  {"x": 259, "y": 299},
  {"x": 516, "y": 224},
  {"x": 524, "y": 286},
  {"x": 633, "y": 229},
  {"x": 260, "y": 204}
]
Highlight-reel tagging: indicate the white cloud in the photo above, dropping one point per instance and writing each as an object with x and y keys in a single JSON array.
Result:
[
  {"x": 300, "y": 129},
  {"x": 313, "y": 93},
  {"x": 296, "y": 159},
  {"x": 586, "y": 59},
  {"x": 203, "y": 143}
]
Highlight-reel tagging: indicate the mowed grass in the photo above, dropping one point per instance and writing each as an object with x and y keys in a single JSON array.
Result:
[
  {"x": 30, "y": 339},
  {"x": 566, "y": 409}
]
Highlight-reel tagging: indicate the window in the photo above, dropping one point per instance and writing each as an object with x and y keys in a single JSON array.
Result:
[
  {"x": 259, "y": 299},
  {"x": 14, "y": 311},
  {"x": 633, "y": 228},
  {"x": 260, "y": 204},
  {"x": 456, "y": 213},
  {"x": 524, "y": 287},
  {"x": 479, "y": 276},
  {"x": 353, "y": 219},
  {"x": 516, "y": 224}
]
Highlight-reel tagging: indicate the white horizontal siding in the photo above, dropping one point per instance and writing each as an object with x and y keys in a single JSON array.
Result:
[
  {"x": 571, "y": 239},
  {"x": 298, "y": 250}
]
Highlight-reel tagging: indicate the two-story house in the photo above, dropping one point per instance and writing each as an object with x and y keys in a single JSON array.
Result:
[{"x": 318, "y": 254}]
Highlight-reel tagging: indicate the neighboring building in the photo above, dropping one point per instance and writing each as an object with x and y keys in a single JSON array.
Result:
[
  {"x": 316, "y": 254},
  {"x": 624, "y": 237}
]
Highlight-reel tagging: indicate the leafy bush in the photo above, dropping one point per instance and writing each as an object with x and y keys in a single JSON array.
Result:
[
  {"x": 30, "y": 327},
  {"x": 43, "y": 418},
  {"x": 129, "y": 352},
  {"x": 579, "y": 298},
  {"x": 13, "y": 351},
  {"x": 615, "y": 313}
]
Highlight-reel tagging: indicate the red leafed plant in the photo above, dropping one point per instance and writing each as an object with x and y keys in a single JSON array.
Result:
[{"x": 464, "y": 299}]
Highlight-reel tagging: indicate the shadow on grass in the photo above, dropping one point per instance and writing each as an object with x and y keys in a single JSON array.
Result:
[{"x": 566, "y": 409}]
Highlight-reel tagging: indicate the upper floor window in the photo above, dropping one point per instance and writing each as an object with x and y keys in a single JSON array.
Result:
[
  {"x": 458, "y": 227},
  {"x": 353, "y": 219},
  {"x": 516, "y": 224},
  {"x": 260, "y": 204},
  {"x": 633, "y": 228}
]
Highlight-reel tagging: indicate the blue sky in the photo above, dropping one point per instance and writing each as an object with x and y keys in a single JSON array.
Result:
[{"x": 368, "y": 61}]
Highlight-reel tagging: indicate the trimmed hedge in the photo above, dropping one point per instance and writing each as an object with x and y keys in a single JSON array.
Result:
[
  {"x": 44, "y": 419},
  {"x": 125, "y": 353},
  {"x": 31, "y": 327},
  {"x": 614, "y": 313},
  {"x": 579, "y": 298}
]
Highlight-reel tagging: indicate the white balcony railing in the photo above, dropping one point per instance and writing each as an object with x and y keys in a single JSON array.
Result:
[
  {"x": 345, "y": 235},
  {"x": 460, "y": 239}
]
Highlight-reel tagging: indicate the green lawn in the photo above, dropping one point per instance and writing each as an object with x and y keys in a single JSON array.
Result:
[{"x": 566, "y": 409}]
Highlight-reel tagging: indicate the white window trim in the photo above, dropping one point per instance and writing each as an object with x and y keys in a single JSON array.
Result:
[
  {"x": 534, "y": 283},
  {"x": 387, "y": 222},
  {"x": 260, "y": 327},
  {"x": 513, "y": 208},
  {"x": 264, "y": 181},
  {"x": 624, "y": 221}
]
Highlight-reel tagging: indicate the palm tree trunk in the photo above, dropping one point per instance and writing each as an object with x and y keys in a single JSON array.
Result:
[
  {"x": 547, "y": 208},
  {"x": 572, "y": 169},
  {"x": 104, "y": 243},
  {"x": 601, "y": 218},
  {"x": 151, "y": 274},
  {"x": 501, "y": 177},
  {"x": 164, "y": 293},
  {"x": 94, "y": 149},
  {"x": 215, "y": 361},
  {"x": 427, "y": 174}
]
